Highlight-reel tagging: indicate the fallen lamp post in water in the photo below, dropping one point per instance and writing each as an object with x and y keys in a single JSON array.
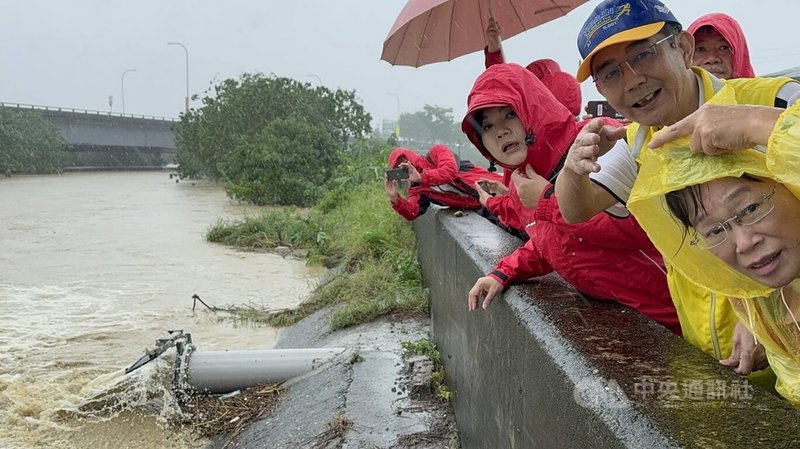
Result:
[{"x": 216, "y": 372}]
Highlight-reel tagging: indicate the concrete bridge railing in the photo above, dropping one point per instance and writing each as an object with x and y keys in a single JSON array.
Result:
[
  {"x": 545, "y": 368},
  {"x": 105, "y": 140}
]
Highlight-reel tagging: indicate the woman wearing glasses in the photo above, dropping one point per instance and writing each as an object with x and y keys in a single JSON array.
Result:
[{"x": 737, "y": 210}]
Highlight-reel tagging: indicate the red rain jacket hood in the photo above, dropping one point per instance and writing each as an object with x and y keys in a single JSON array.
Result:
[
  {"x": 566, "y": 89},
  {"x": 549, "y": 122},
  {"x": 729, "y": 29},
  {"x": 419, "y": 161},
  {"x": 542, "y": 67}
]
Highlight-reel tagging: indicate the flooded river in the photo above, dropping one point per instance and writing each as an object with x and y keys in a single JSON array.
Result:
[{"x": 93, "y": 268}]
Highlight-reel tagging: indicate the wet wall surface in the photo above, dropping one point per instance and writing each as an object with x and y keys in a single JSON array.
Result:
[{"x": 544, "y": 367}]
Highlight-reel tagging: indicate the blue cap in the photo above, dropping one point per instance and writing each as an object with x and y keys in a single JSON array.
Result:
[{"x": 616, "y": 21}]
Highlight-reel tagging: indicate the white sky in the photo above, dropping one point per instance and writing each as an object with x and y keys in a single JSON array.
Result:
[{"x": 72, "y": 53}]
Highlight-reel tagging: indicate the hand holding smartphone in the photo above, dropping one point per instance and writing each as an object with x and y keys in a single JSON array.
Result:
[{"x": 397, "y": 174}]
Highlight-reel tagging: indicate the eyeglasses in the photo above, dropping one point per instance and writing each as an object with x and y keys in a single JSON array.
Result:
[
  {"x": 717, "y": 234},
  {"x": 610, "y": 75}
]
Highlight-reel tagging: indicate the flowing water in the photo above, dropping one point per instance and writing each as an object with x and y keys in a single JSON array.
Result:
[{"x": 93, "y": 268}]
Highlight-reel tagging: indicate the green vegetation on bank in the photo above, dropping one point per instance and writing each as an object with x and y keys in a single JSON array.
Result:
[
  {"x": 29, "y": 144},
  {"x": 352, "y": 228},
  {"x": 372, "y": 248}
]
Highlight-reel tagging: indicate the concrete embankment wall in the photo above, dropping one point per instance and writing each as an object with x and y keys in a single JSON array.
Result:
[{"x": 545, "y": 368}]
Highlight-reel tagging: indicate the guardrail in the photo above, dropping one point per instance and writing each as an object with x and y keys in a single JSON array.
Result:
[{"x": 84, "y": 111}]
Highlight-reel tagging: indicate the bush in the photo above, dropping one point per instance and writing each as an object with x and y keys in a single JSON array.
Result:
[
  {"x": 287, "y": 163},
  {"x": 30, "y": 144},
  {"x": 272, "y": 140}
]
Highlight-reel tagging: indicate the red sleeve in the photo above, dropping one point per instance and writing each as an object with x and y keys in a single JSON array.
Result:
[
  {"x": 622, "y": 233},
  {"x": 522, "y": 264},
  {"x": 408, "y": 208},
  {"x": 491, "y": 59},
  {"x": 446, "y": 167},
  {"x": 503, "y": 207}
]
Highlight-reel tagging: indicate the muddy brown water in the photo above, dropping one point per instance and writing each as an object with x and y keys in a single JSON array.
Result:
[{"x": 93, "y": 268}]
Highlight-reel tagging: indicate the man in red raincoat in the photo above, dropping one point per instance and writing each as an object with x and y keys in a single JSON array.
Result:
[
  {"x": 720, "y": 46},
  {"x": 515, "y": 120},
  {"x": 437, "y": 178}
]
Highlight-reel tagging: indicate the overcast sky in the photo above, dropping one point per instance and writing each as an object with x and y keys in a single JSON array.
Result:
[{"x": 72, "y": 53}]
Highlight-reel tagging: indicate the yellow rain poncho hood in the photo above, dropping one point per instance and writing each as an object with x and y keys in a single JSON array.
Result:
[{"x": 772, "y": 314}]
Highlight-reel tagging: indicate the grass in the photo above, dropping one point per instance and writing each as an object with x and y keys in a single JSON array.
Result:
[
  {"x": 283, "y": 227},
  {"x": 352, "y": 227},
  {"x": 428, "y": 349}
]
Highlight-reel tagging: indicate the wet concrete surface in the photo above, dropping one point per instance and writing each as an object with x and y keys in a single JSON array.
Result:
[{"x": 360, "y": 400}]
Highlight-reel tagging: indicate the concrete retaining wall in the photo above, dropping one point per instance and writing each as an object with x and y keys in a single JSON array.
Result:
[{"x": 545, "y": 368}]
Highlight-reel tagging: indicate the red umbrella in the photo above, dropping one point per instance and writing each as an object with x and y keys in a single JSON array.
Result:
[{"x": 428, "y": 31}]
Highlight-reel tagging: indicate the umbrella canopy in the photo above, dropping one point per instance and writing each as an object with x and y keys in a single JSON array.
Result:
[{"x": 428, "y": 31}]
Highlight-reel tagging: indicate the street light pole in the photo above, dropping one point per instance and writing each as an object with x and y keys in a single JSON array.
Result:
[
  {"x": 123, "y": 88},
  {"x": 185, "y": 50},
  {"x": 397, "y": 126},
  {"x": 311, "y": 75}
]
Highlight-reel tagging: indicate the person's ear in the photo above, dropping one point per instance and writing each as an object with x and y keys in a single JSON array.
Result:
[{"x": 685, "y": 42}]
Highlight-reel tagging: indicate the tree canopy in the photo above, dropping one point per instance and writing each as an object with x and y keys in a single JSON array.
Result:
[
  {"x": 422, "y": 129},
  {"x": 272, "y": 140}
]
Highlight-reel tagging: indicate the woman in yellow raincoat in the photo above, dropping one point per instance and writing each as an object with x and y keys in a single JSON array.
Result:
[{"x": 737, "y": 227}]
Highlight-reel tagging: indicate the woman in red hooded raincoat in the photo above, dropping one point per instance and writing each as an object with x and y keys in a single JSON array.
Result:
[
  {"x": 437, "y": 178},
  {"x": 720, "y": 46},
  {"x": 514, "y": 119}
]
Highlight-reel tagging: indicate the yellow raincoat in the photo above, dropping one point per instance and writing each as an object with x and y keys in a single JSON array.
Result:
[
  {"x": 707, "y": 321},
  {"x": 771, "y": 314}
]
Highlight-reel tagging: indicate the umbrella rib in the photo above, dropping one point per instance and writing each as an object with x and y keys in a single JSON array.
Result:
[
  {"x": 516, "y": 13},
  {"x": 450, "y": 32},
  {"x": 400, "y": 47},
  {"x": 480, "y": 17},
  {"x": 556, "y": 6},
  {"x": 422, "y": 37}
]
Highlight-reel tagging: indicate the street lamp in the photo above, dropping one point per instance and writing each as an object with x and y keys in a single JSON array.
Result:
[
  {"x": 123, "y": 88},
  {"x": 397, "y": 126},
  {"x": 311, "y": 75},
  {"x": 185, "y": 50}
]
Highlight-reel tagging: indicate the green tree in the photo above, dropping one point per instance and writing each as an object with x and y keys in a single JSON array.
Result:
[
  {"x": 236, "y": 122},
  {"x": 431, "y": 125},
  {"x": 255, "y": 172},
  {"x": 434, "y": 124},
  {"x": 30, "y": 144}
]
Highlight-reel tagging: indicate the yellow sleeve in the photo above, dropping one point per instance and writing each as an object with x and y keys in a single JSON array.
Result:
[{"x": 783, "y": 154}]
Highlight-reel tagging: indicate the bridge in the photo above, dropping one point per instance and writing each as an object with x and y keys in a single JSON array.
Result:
[{"x": 108, "y": 140}]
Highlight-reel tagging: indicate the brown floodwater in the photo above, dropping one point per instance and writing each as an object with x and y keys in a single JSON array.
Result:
[{"x": 93, "y": 268}]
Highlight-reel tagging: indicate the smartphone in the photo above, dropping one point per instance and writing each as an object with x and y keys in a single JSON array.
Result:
[
  {"x": 602, "y": 109},
  {"x": 485, "y": 186},
  {"x": 396, "y": 174}
]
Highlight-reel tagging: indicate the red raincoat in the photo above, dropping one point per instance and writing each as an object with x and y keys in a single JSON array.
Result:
[
  {"x": 729, "y": 29},
  {"x": 442, "y": 182},
  {"x": 606, "y": 257}
]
